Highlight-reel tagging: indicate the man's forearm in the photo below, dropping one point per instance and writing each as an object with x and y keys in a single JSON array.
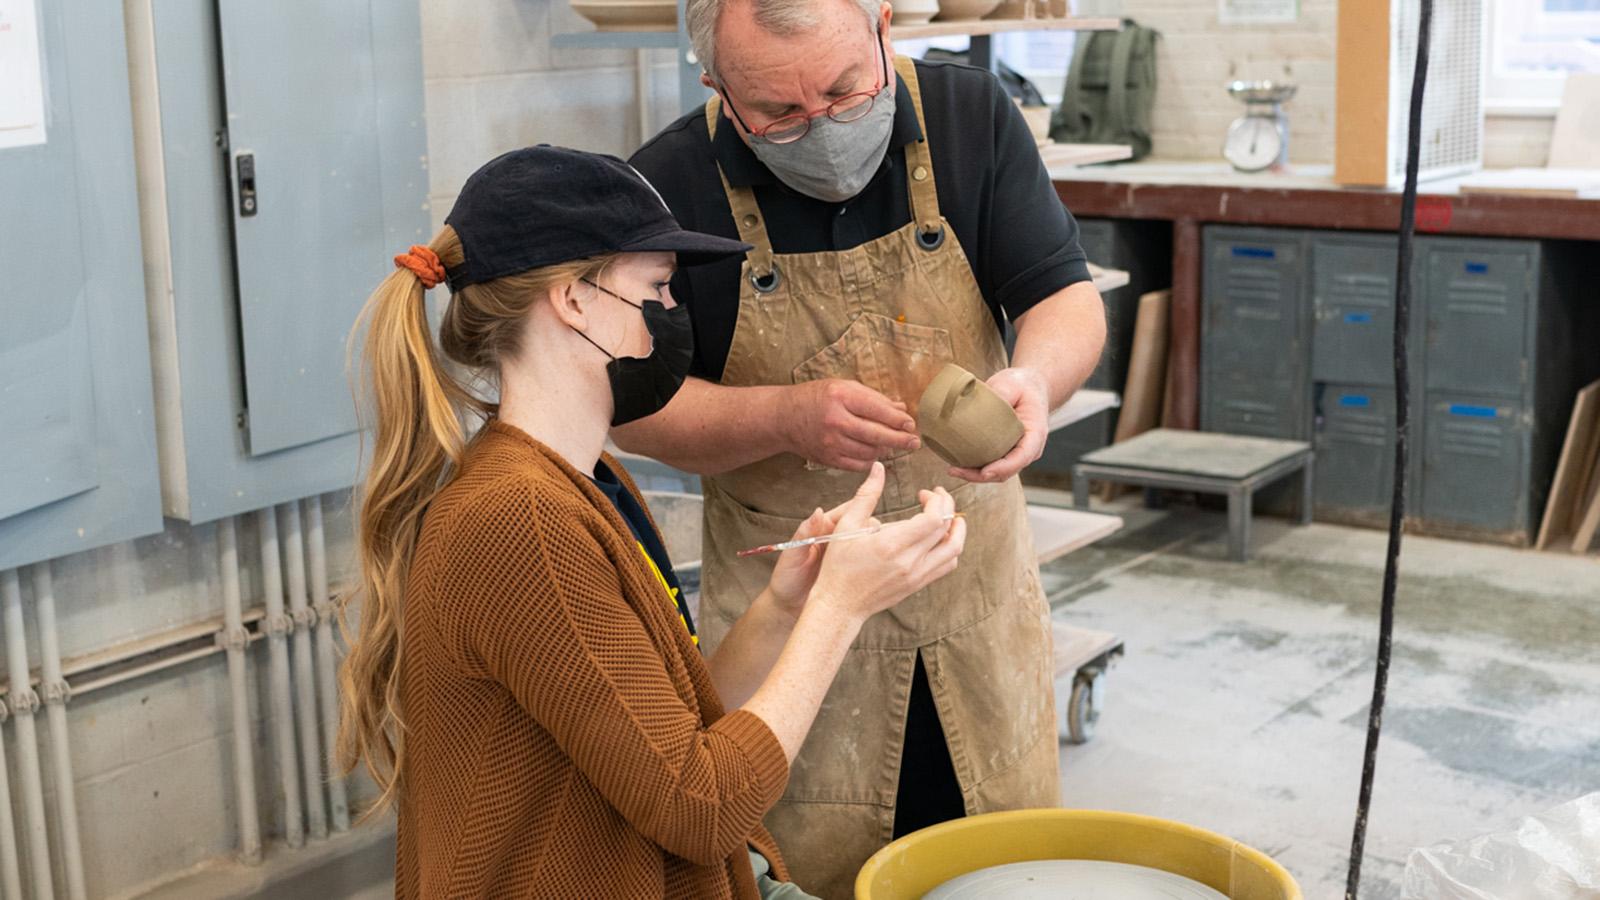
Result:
[
  {"x": 708, "y": 429},
  {"x": 1060, "y": 339}
]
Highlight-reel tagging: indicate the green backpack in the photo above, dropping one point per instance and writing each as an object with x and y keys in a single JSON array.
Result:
[{"x": 1111, "y": 87}]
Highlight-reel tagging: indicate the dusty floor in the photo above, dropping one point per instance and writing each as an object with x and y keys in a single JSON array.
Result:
[{"x": 1241, "y": 704}]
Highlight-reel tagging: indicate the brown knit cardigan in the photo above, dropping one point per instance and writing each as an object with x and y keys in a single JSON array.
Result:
[{"x": 563, "y": 737}]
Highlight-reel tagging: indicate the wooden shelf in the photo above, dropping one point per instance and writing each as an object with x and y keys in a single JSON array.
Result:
[
  {"x": 1108, "y": 279},
  {"x": 976, "y": 28},
  {"x": 1057, "y": 156}
]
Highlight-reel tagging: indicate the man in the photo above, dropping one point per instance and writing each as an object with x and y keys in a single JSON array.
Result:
[{"x": 899, "y": 214}]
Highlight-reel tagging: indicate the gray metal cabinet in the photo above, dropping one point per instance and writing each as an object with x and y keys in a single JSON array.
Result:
[
  {"x": 77, "y": 423},
  {"x": 1144, "y": 251},
  {"x": 1352, "y": 278},
  {"x": 1478, "y": 315},
  {"x": 1353, "y": 434},
  {"x": 1509, "y": 332},
  {"x": 1253, "y": 333},
  {"x": 1475, "y": 471},
  {"x": 288, "y": 178}
]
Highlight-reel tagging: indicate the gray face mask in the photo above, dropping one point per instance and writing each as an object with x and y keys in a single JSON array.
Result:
[{"x": 835, "y": 160}]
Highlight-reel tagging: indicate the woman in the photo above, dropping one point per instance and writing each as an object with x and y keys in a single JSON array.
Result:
[{"x": 525, "y": 685}]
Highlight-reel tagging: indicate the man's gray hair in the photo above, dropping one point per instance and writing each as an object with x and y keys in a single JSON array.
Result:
[{"x": 781, "y": 17}]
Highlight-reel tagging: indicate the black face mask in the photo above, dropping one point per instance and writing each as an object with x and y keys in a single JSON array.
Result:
[{"x": 642, "y": 386}]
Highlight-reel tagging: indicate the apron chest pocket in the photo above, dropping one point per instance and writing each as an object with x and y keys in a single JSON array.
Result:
[{"x": 896, "y": 359}]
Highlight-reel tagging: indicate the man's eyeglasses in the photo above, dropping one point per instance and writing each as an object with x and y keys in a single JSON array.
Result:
[{"x": 848, "y": 108}]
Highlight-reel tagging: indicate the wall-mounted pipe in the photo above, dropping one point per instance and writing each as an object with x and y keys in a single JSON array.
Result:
[
  {"x": 10, "y": 865},
  {"x": 235, "y": 639},
  {"x": 305, "y": 676},
  {"x": 278, "y": 626},
  {"x": 56, "y": 696},
  {"x": 23, "y": 703},
  {"x": 327, "y": 662}
]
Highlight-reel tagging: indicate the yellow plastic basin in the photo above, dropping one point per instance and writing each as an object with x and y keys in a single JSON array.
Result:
[{"x": 920, "y": 862}]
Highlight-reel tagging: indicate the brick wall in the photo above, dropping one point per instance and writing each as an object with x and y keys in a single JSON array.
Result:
[
  {"x": 1197, "y": 56},
  {"x": 494, "y": 83}
]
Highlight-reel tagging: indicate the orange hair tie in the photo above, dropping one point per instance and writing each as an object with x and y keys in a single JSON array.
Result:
[{"x": 424, "y": 263}]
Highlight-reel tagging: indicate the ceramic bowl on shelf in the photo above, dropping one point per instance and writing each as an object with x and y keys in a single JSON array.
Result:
[
  {"x": 965, "y": 10},
  {"x": 629, "y": 15},
  {"x": 914, "y": 12}
]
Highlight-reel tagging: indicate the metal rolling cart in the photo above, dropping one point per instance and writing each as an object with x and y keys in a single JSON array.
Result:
[{"x": 1083, "y": 656}]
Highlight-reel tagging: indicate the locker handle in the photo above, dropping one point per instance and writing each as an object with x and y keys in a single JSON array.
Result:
[{"x": 246, "y": 165}]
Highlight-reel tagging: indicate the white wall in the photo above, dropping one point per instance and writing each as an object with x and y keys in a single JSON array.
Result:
[
  {"x": 1197, "y": 56},
  {"x": 495, "y": 84}
]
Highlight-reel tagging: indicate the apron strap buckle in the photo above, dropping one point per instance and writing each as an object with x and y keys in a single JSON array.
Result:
[{"x": 931, "y": 239}]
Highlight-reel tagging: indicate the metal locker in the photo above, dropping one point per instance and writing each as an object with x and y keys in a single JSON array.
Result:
[
  {"x": 77, "y": 427},
  {"x": 1353, "y": 434},
  {"x": 1352, "y": 300},
  {"x": 1474, "y": 470},
  {"x": 1098, "y": 237},
  {"x": 1253, "y": 345},
  {"x": 1144, "y": 251},
  {"x": 1259, "y": 408},
  {"x": 1477, "y": 315},
  {"x": 288, "y": 181},
  {"x": 1253, "y": 302}
]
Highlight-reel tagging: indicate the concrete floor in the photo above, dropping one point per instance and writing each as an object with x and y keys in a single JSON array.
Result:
[{"x": 1241, "y": 705}]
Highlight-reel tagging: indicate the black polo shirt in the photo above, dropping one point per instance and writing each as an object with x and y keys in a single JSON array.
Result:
[{"x": 1021, "y": 242}]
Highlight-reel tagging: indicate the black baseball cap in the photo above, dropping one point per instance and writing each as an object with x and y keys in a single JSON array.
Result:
[{"x": 543, "y": 205}]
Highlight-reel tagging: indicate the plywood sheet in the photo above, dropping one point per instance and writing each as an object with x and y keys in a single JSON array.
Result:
[
  {"x": 1361, "y": 94},
  {"x": 1145, "y": 394},
  {"x": 1563, "y": 512},
  {"x": 1147, "y": 366},
  {"x": 1583, "y": 539}
]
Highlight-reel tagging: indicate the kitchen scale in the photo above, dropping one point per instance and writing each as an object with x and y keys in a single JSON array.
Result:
[{"x": 1259, "y": 140}]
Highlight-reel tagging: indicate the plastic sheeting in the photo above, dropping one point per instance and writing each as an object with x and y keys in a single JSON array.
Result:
[{"x": 1554, "y": 855}]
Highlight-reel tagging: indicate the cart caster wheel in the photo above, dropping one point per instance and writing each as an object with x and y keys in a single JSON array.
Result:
[{"x": 1083, "y": 709}]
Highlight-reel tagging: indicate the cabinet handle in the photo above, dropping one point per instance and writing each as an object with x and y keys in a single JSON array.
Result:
[{"x": 246, "y": 164}]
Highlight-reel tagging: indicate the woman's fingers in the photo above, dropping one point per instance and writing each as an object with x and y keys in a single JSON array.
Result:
[{"x": 860, "y": 507}]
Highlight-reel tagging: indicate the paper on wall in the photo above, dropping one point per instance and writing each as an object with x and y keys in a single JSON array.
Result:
[
  {"x": 1257, "y": 12},
  {"x": 21, "y": 78}
]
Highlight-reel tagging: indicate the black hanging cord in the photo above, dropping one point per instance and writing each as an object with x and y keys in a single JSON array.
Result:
[{"x": 1402, "y": 422}]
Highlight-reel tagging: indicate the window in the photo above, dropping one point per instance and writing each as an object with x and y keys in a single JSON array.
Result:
[{"x": 1535, "y": 43}]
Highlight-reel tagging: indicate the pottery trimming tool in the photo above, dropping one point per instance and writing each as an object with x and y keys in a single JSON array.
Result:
[{"x": 828, "y": 538}]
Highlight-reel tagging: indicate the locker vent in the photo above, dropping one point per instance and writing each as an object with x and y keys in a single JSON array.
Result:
[
  {"x": 1255, "y": 293},
  {"x": 1479, "y": 439},
  {"x": 1371, "y": 429},
  {"x": 1452, "y": 109},
  {"x": 1254, "y": 417},
  {"x": 1362, "y": 290},
  {"x": 1478, "y": 297}
]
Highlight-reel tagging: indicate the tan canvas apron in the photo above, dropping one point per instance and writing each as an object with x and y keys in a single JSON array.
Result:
[{"x": 889, "y": 314}]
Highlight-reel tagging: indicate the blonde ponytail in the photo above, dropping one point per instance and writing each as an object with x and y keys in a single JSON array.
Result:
[
  {"x": 418, "y": 412},
  {"x": 417, "y": 436}
]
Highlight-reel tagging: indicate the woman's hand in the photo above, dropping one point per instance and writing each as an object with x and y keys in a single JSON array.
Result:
[
  {"x": 797, "y": 569},
  {"x": 865, "y": 576}
]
